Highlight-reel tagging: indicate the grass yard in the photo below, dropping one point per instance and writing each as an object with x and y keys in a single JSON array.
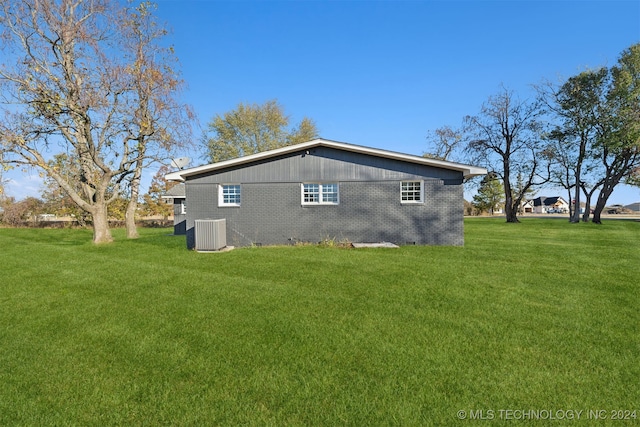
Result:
[{"x": 538, "y": 316}]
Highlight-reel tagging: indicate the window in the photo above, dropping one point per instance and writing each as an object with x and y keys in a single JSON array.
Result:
[
  {"x": 320, "y": 194},
  {"x": 183, "y": 207},
  {"x": 229, "y": 195},
  {"x": 411, "y": 192},
  {"x": 329, "y": 193},
  {"x": 310, "y": 193}
]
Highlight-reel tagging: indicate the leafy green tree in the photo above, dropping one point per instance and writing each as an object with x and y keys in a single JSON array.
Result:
[
  {"x": 578, "y": 104},
  {"x": 254, "y": 128},
  {"x": 490, "y": 194},
  {"x": 619, "y": 138},
  {"x": 596, "y": 144},
  {"x": 634, "y": 177}
]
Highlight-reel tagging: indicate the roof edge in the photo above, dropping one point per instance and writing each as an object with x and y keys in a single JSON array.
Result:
[{"x": 468, "y": 171}]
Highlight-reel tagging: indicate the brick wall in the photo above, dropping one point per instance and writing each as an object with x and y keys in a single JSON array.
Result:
[{"x": 369, "y": 211}]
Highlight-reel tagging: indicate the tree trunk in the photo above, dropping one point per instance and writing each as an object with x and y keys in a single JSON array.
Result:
[
  {"x": 510, "y": 211},
  {"x": 572, "y": 205},
  {"x": 587, "y": 208},
  {"x": 130, "y": 215},
  {"x": 132, "y": 206},
  {"x": 101, "y": 232},
  {"x": 575, "y": 217},
  {"x": 130, "y": 220},
  {"x": 600, "y": 205},
  {"x": 602, "y": 202},
  {"x": 512, "y": 215},
  {"x": 578, "y": 176},
  {"x": 596, "y": 215}
]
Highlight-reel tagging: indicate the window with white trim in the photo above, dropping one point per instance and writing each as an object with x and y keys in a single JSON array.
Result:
[
  {"x": 320, "y": 194},
  {"x": 229, "y": 195},
  {"x": 412, "y": 192},
  {"x": 183, "y": 207}
]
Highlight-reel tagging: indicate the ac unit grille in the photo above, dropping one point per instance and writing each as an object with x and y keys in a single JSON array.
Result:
[{"x": 211, "y": 234}]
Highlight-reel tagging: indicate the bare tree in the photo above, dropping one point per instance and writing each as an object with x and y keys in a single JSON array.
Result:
[
  {"x": 444, "y": 143},
  {"x": 17, "y": 213},
  {"x": 506, "y": 138},
  {"x": 89, "y": 79},
  {"x": 159, "y": 123}
]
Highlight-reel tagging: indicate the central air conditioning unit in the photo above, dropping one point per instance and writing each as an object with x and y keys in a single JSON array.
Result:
[{"x": 211, "y": 234}]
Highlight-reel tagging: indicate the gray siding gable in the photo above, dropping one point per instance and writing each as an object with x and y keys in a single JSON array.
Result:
[{"x": 325, "y": 164}]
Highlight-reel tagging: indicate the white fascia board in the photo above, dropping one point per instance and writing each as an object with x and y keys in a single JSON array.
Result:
[
  {"x": 174, "y": 176},
  {"x": 467, "y": 170}
]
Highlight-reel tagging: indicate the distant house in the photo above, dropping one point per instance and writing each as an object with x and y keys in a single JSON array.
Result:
[
  {"x": 550, "y": 205},
  {"x": 527, "y": 206},
  {"x": 176, "y": 195},
  {"x": 325, "y": 189}
]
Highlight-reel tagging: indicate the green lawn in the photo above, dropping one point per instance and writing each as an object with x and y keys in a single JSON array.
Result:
[{"x": 541, "y": 316}]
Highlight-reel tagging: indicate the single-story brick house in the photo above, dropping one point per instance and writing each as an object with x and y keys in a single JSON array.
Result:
[
  {"x": 176, "y": 196},
  {"x": 325, "y": 189}
]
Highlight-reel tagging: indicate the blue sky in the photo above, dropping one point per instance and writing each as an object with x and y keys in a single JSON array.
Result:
[{"x": 385, "y": 73}]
